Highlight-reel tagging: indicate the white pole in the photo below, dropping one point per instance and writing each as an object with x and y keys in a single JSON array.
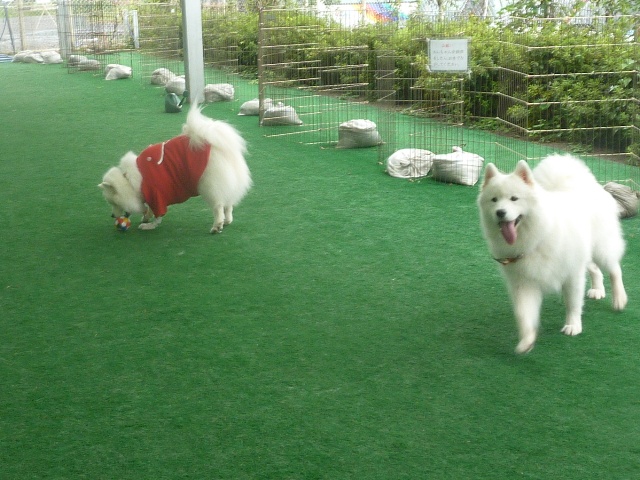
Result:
[
  {"x": 193, "y": 49},
  {"x": 23, "y": 41},
  {"x": 65, "y": 36},
  {"x": 135, "y": 28}
]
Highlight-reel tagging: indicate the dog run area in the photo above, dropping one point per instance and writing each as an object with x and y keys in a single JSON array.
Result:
[{"x": 347, "y": 324}]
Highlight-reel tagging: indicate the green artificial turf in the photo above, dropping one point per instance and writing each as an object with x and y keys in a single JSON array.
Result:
[{"x": 347, "y": 325}]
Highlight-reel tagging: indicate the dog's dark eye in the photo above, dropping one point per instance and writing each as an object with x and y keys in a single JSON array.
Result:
[
  {"x": 494, "y": 199},
  {"x": 514, "y": 199}
]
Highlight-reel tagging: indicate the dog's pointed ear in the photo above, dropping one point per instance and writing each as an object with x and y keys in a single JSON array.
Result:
[
  {"x": 490, "y": 171},
  {"x": 524, "y": 172}
]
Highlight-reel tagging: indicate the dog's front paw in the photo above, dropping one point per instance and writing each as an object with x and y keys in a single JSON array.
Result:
[
  {"x": 216, "y": 229},
  {"x": 596, "y": 293},
  {"x": 572, "y": 330},
  {"x": 620, "y": 300},
  {"x": 526, "y": 344},
  {"x": 147, "y": 226}
]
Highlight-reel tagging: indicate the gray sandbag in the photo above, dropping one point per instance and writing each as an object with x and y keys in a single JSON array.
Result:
[
  {"x": 160, "y": 76},
  {"x": 218, "y": 92},
  {"x": 280, "y": 115},
  {"x": 628, "y": 200},
  {"x": 117, "y": 72},
  {"x": 176, "y": 85},
  {"x": 252, "y": 107},
  {"x": 89, "y": 65}
]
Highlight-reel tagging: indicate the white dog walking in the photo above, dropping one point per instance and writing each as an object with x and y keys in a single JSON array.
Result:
[
  {"x": 547, "y": 228},
  {"x": 207, "y": 159}
]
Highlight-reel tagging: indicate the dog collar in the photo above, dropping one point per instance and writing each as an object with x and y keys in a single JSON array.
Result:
[{"x": 509, "y": 260}]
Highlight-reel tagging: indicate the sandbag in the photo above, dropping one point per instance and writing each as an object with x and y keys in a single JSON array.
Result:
[
  {"x": 628, "y": 200},
  {"x": 176, "y": 85},
  {"x": 51, "y": 57},
  {"x": 74, "y": 60},
  {"x": 218, "y": 92},
  {"x": 34, "y": 57},
  {"x": 89, "y": 65},
  {"x": 280, "y": 115},
  {"x": 160, "y": 76},
  {"x": 115, "y": 72},
  {"x": 458, "y": 167},
  {"x": 20, "y": 56},
  {"x": 409, "y": 163},
  {"x": 358, "y": 133},
  {"x": 252, "y": 107}
]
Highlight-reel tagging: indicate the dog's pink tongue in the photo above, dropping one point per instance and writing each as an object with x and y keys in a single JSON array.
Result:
[{"x": 508, "y": 230}]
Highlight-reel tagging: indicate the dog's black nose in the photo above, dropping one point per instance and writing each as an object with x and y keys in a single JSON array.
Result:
[{"x": 501, "y": 213}]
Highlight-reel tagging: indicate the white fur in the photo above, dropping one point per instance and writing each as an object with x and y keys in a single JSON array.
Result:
[
  {"x": 224, "y": 182},
  {"x": 568, "y": 225}
]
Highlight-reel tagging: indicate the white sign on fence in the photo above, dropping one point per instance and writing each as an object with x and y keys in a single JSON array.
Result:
[{"x": 449, "y": 55}]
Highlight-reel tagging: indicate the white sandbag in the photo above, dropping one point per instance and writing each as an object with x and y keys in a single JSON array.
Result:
[
  {"x": 457, "y": 167},
  {"x": 628, "y": 200},
  {"x": 75, "y": 60},
  {"x": 176, "y": 85},
  {"x": 34, "y": 57},
  {"x": 280, "y": 115},
  {"x": 20, "y": 56},
  {"x": 160, "y": 76},
  {"x": 252, "y": 107},
  {"x": 409, "y": 163},
  {"x": 51, "y": 57},
  {"x": 358, "y": 133},
  {"x": 116, "y": 72},
  {"x": 89, "y": 64},
  {"x": 218, "y": 92}
]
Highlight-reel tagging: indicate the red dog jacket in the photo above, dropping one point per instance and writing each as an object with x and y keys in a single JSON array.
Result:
[{"x": 170, "y": 172}]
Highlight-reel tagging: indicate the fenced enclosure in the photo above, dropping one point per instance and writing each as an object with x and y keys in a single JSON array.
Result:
[
  {"x": 99, "y": 31},
  {"x": 146, "y": 36},
  {"x": 317, "y": 66},
  {"x": 531, "y": 85}
]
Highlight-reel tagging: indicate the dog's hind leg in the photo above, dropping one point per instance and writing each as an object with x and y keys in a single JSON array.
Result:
[
  {"x": 596, "y": 291},
  {"x": 218, "y": 219},
  {"x": 228, "y": 214},
  {"x": 150, "y": 225}
]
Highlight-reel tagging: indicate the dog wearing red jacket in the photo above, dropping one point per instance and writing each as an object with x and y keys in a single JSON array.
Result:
[{"x": 206, "y": 160}]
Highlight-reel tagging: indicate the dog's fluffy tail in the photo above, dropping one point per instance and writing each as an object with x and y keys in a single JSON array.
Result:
[
  {"x": 230, "y": 178},
  {"x": 220, "y": 135},
  {"x": 564, "y": 173}
]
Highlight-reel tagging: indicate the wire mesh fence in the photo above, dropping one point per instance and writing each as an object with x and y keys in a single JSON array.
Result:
[
  {"x": 145, "y": 35},
  {"x": 323, "y": 83},
  {"x": 530, "y": 86},
  {"x": 28, "y": 26}
]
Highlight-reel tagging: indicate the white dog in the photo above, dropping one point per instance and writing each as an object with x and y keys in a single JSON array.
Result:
[
  {"x": 547, "y": 228},
  {"x": 207, "y": 159}
]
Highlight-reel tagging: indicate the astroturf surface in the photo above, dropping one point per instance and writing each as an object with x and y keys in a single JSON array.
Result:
[{"x": 347, "y": 325}]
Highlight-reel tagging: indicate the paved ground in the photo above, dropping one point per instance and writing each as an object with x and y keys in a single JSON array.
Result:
[{"x": 40, "y": 32}]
